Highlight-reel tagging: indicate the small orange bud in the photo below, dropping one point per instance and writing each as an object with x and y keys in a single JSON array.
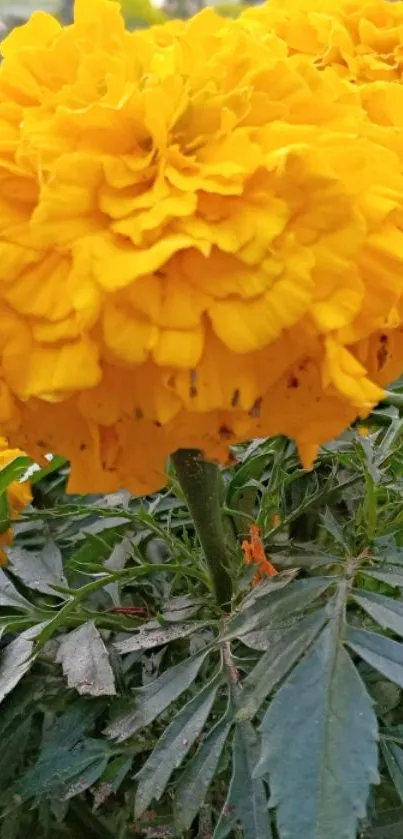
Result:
[{"x": 253, "y": 552}]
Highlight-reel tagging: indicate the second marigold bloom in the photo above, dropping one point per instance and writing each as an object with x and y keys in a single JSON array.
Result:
[{"x": 200, "y": 238}]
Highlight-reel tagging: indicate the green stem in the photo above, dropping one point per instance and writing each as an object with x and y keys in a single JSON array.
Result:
[
  {"x": 394, "y": 398},
  {"x": 201, "y": 484}
]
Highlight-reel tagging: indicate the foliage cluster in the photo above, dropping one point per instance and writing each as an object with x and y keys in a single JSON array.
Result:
[{"x": 131, "y": 707}]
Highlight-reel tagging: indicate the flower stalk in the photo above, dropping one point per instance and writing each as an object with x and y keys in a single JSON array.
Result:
[{"x": 200, "y": 482}]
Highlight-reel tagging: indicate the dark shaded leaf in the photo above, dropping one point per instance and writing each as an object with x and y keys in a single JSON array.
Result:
[
  {"x": 247, "y": 800},
  {"x": 198, "y": 775},
  {"x": 57, "y": 770},
  {"x": 380, "y": 652},
  {"x": 69, "y": 728},
  {"x": 9, "y": 596},
  {"x": 13, "y": 747},
  {"x": 152, "y": 699},
  {"x": 173, "y": 746},
  {"x": 393, "y": 755},
  {"x": 320, "y": 745}
]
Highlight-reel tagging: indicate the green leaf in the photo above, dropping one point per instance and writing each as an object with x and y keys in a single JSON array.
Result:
[
  {"x": 320, "y": 745},
  {"x": 13, "y": 471},
  {"x": 39, "y": 570},
  {"x": 5, "y": 513},
  {"x": 275, "y": 610},
  {"x": 380, "y": 652},
  {"x": 247, "y": 800},
  {"x": 198, "y": 775},
  {"x": 383, "y": 610},
  {"x": 113, "y": 777},
  {"x": 56, "y": 770},
  {"x": 152, "y": 699},
  {"x": 394, "y": 760},
  {"x": 85, "y": 662},
  {"x": 36, "y": 473},
  {"x": 86, "y": 778},
  {"x": 174, "y": 745},
  {"x": 284, "y": 650},
  {"x": 252, "y": 467},
  {"x": 333, "y": 528},
  {"x": 97, "y": 547}
]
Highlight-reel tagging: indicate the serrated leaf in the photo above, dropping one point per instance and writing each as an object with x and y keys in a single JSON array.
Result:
[
  {"x": 157, "y": 695},
  {"x": 39, "y": 570},
  {"x": 380, "y": 652},
  {"x": 390, "y": 574},
  {"x": 15, "y": 660},
  {"x": 146, "y": 639},
  {"x": 393, "y": 755},
  {"x": 247, "y": 800},
  {"x": 383, "y": 610},
  {"x": 276, "y": 609},
  {"x": 284, "y": 650},
  {"x": 198, "y": 775},
  {"x": 12, "y": 749},
  {"x": 174, "y": 745},
  {"x": 85, "y": 662},
  {"x": 323, "y": 718},
  {"x": 9, "y": 596}
]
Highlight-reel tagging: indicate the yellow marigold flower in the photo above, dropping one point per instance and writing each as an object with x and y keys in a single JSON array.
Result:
[
  {"x": 361, "y": 40},
  {"x": 18, "y": 496},
  {"x": 200, "y": 238}
]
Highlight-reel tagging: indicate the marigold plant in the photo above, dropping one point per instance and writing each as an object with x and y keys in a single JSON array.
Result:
[{"x": 201, "y": 232}]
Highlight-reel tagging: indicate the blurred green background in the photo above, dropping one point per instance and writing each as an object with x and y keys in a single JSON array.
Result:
[{"x": 138, "y": 13}]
